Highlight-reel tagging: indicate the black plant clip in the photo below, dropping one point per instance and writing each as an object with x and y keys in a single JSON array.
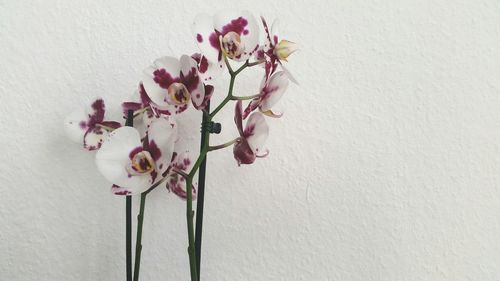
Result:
[{"x": 212, "y": 127}]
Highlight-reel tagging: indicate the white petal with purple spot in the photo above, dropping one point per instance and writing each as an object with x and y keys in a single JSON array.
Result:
[
  {"x": 256, "y": 132},
  {"x": 113, "y": 160}
]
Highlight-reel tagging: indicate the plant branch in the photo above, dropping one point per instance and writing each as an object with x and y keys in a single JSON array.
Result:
[
  {"x": 196, "y": 166},
  {"x": 181, "y": 173},
  {"x": 245, "y": 97},
  {"x": 256, "y": 63},
  {"x": 138, "y": 243},
  {"x": 107, "y": 128},
  {"x": 224, "y": 145}
]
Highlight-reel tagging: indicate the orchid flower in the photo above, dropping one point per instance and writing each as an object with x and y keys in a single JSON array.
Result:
[
  {"x": 177, "y": 183},
  {"x": 252, "y": 138},
  {"x": 271, "y": 91},
  {"x": 170, "y": 82},
  {"x": 133, "y": 166},
  {"x": 142, "y": 106},
  {"x": 275, "y": 51},
  {"x": 228, "y": 33},
  {"x": 88, "y": 126}
]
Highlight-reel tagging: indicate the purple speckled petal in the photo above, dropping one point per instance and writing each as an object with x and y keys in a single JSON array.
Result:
[
  {"x": 243, "y": 153},
  {"x": 80, "y": 121},
  {"x": 238, "y": 117},
  {"x": 244, "y": 24},
  {"x": 209, "y": 90},
  {"x": 206, "y": 37},
  {"x": 191, "y": 80},
  {"x": 176, "y": 183},
  {"x": 251, "y": 107},
  {"x": 273, "y": 90},
  {"x": 256, "y": 132},
  {"x": 118, "y": 190},
  {"x": 93, "y": 138},
  {"x": 162, "y": 134},
  {"x": 208, "y": 70},
  {"x": 96, "y": 114},
  {"x": 157, "y": 78}
]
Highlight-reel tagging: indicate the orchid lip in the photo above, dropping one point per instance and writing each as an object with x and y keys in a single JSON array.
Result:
[
  {"x": 141, "y": 163},
  {"x": 231, "y": 45},
  {"x": 178, "y": 93}
]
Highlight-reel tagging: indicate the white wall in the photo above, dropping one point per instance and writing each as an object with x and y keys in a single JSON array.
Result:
[{"x": 386, "y": 165}]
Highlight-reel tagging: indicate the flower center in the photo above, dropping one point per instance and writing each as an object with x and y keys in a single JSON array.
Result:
[
  {"x": 142, "y": 163},
  {"x": 178, "y": 93},
  {"x": 231, "y": 45}
]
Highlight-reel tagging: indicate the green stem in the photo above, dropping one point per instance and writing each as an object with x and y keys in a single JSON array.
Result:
[
  {"x": 109, "y": 129},
  {"x": 221, "y": 146},
  {"x": 190, "y": 227},
  {"x": 138, "y": 245},
  {"x": 245, "y": 97},
  {"x": 256, "y": 63},
  {"x": 196, "y": 166}
]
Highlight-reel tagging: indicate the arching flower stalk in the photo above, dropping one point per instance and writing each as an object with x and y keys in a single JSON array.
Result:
[{"x": 135, "y": 160}]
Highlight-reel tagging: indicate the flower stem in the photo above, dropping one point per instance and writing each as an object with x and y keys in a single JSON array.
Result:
[
  {"x": 196, "y": 166},
  {"x": 200, "y": 202},
  {"x": 107, "y": 128},
  {"x": 245, "y": 97},
  {"x": 190, "y": 228},
  {"x": 138, "y": 244},
  {"x": 256, "y": 63},
  {"x": 221, "y": 146}
]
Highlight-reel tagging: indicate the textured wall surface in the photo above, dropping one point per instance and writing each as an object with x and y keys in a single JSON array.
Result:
[{"x": 386, "y": 165}]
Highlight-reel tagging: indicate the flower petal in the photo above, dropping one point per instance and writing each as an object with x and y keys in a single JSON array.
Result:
[
  {"x": 118, "y": 190},
  {"x": 94, "y": 137},
  {"x": 162, "y": 134},
  {"x": 289, "y": 74},
  {"x": 208, "y": 40},
  {"x": 80, "y": 120},
  {"x": 96, "y": 114},
  {"x": 251, "y": 107},
  {"x": 256, "y": 131},
  {"x": 208, "y": 70},
  {"x": 75, "y": 125},
  {"x": 176, "y": 183},
  {"x": 238, "y": 117},
  {"x": 192, "y": 81},
  {"x": 243, "y": 152},
  {"x": 158, "y": 77},
  {"x": 273, "y": 90},
  {"x": 209, "y": 90},
  {"x": 244, "y": 24},
  {"x": 113, "y": 160},
  {"x": 275, "y": 32}
]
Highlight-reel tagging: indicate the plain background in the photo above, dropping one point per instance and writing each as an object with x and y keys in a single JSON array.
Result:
[{"x": 385, "y": 166}]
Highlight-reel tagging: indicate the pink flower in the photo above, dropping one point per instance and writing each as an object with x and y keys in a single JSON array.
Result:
[
  {"x": 230, "y": 33},
  {"x": 275, "y": 51},
  {"x": 87, "y": 126},
  {"x": 271, "y": 91},
  {"x": 133, "y": 166},
  {"x": 170, "y": 84},
  {"x": 252, "y": 138}
]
